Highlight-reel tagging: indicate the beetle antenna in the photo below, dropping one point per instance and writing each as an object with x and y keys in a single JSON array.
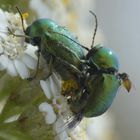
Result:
[
  {"x": 71, "y": 40},
  {"x": 95, "y": 30},
  {"x": 21, "y": 18}
]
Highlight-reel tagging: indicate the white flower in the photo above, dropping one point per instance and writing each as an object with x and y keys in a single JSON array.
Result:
[
  {"x": 15, "y": 55},
  {"x": 47, "y": 110},
  {"x": 52, "y": 90},
  {"x": 52, "y": 86},
  {"x": 61, "y": 130}
]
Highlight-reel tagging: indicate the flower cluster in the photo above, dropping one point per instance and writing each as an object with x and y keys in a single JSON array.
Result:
[
  {"x": 16, "y": 57},
  {"x": 58, "y": 112}
]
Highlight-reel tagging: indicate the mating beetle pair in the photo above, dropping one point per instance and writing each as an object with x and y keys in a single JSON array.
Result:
[{"x": 95, "y": 69}]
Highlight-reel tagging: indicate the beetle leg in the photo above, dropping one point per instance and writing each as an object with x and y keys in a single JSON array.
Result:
[
  {"x": 94, "y": 70},
  {"x": 49, "y": 67},
  {"x": 37, "y": 67}
]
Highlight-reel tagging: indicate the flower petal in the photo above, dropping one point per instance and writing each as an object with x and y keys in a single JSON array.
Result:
[
  {"x": 31, "y": 50},
  {"x": 55, "y": 85},
  {"x": 47, "y": 109},
  {"x": 3, "y": 23},
  {"x": 57, "y": 80},
  {"x": 11, "y": 68},
  {"x": 46, "y": 88},
  {"x": 60, "y": 128},
  {"x": 51, "y": 117},
  {"x": 29, "y": 61},
  {"x": 21, "y": 69},
  {"x": 12, "y": 118}
]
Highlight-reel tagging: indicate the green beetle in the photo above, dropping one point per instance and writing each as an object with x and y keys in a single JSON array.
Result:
[
  {"x": 101, "y": 90},
  {"x": 57, "y": 44}
]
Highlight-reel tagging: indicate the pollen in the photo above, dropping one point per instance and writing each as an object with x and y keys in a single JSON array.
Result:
[
  {"x": 69, "y": 86},
  {"x": 25, "y": 15}
]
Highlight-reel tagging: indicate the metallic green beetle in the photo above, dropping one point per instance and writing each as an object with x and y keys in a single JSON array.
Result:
[
  {"x": 57, "y": 43},
  {"x": 101, "y": 90}
]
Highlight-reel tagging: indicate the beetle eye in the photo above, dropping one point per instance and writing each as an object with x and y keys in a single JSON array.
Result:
[{"x": 36, "y": 41}]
